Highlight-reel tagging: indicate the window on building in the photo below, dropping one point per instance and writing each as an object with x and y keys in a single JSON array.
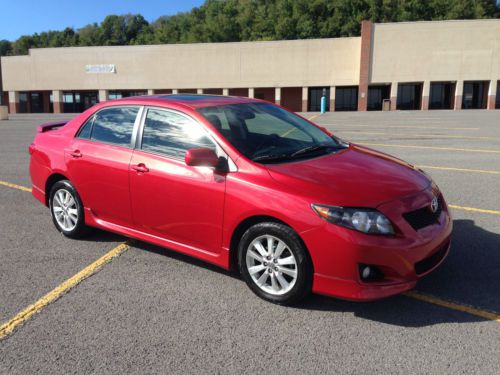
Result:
[
  {"x": 172, "y": 134},
  {"x": 36, "y": 102},
  {"x": 475, "y": 95},
  {"x": 442, "y": 95},
  {"x": 497, "y": 104},
  {"x": 376, "y": 96},
  {"x": 114, "y": 125},
  {"x": 315, "y": 95},
  {"x": 125, "y": 94},
  {"x": 346, "y": 98},
  {"x": 409, "y": 96},
  {"x": 78, "y": 101},
  {"x": 23, "y": 102}
]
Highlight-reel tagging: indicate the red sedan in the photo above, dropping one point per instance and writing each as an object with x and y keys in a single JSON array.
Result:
[{"x": 243, "y": 183}]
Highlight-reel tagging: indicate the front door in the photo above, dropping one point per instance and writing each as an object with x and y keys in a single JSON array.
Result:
[{"x": 170, "y": 199}]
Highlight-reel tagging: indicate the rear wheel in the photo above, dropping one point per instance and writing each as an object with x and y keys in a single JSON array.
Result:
[
  {"x": 66, "y": 209},
  {"x": 274, "y": 263}
]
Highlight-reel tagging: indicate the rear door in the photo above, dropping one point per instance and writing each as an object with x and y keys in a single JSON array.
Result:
[
  {"x": 169, "y": 198},
  {"x": 98, "y": 162}
]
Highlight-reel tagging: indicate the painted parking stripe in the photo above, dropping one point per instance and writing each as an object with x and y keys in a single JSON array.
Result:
[
  {"x": 473, "y": 209},
  {"x": 431, "y": 136},
  {"x": 61, "y": 289},
  {"x": 14, "y": 186},
  {"x": 489, "y": 315},
  {"x": 433, "y": 148},
  {"x": 399, "y": 127},
  {"x": 458, "y": 169}
]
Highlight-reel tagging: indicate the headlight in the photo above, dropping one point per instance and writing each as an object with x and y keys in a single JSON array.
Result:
[{"x": 360, "y": 219}]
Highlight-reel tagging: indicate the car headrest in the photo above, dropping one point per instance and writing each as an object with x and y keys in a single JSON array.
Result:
[{"x": 215, "y": 121}]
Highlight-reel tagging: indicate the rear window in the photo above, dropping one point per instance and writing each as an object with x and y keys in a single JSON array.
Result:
[
  {"x": 114, "y": 125},
  {"x": 86, "y": 129}
]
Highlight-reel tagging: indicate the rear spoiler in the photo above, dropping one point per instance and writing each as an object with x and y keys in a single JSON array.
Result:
[{"x": 50, "y": 126}]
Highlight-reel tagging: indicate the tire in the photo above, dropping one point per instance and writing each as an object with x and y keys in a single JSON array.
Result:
[
  {"x": 288, "y": 268},
  {"x": 66, "y": 209}
]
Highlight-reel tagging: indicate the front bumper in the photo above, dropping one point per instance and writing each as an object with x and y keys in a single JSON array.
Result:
[{"x": 337, "y": 252}]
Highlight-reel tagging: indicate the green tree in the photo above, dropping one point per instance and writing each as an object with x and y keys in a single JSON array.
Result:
[{"x": 5, "y": 47}]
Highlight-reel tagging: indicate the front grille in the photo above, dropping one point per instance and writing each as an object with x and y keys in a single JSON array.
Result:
[
  {"x": 428, "y": 263},
  {"x": 423, "y": 217}
]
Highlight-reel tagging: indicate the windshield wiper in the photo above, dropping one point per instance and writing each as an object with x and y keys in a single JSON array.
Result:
[
  {"x": 302, "y": 151},
  {"x": 309, "y": 149},
  {"x": 271, "y": 157}
]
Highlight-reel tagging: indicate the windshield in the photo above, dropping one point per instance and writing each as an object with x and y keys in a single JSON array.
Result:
[{"x": 266, "y": 133}]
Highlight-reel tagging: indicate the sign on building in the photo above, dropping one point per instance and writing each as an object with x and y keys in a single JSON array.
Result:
[{"x": 100, "y": 68}]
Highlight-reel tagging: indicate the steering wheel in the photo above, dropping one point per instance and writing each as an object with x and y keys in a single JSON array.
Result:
[{"x": 270, "y": 143}]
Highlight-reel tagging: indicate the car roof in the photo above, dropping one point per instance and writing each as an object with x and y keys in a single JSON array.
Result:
[{"x": 192, "y": 101}]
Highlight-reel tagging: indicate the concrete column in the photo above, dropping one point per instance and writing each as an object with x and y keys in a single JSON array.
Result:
[
  {"x": 199, "y": 91},
  {"x": 13, "y": 101},
  {"x": 104, "y": 95},
  {"x": 394, "y": 96},
  {"x": 426, "y": 92},
  {"x": 365, "y": 64},
  {"x": 225, "y": 92},
  {"x": 151, "y": 92},
  {"x": 305, "y": 95},
  {"x": 277, "y": 95},
  {"x": 251, "y": 92},
  {"x": 332, "y": 98},
  {"x": 57, "y": 101},
  {"x": 492, "y": 94},
  {"x": 459, "y": 89}
]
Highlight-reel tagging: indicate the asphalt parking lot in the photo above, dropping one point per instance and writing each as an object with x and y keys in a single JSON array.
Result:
[{"x": 151, "y": 310}]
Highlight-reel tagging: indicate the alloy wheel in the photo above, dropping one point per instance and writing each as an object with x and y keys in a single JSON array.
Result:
[
  {"x": 65, "y": 210},
  {"x": 271, "y": 265}
]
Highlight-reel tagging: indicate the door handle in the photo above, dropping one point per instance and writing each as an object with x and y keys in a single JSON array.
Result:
[
  {"x": 140, "y": 168},
  {"x": 76, "y": 154}
]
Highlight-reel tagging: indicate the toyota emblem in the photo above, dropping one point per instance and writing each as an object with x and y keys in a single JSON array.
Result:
[{"x": 434, "y": 205}]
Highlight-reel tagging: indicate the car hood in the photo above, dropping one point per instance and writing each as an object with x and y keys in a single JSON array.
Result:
[{"x": 356, "y": 177}]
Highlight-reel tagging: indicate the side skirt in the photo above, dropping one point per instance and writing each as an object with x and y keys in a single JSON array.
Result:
[{"x": 220, "y": 260}]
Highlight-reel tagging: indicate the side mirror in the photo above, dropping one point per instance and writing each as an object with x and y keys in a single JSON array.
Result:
[{"x": 201, "y": 157}]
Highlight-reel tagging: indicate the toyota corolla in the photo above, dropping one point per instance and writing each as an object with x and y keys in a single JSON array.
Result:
[{"x": 244, "y": 184}]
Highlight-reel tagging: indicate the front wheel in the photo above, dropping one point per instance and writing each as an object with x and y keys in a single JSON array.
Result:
[
  {"x": 274, "y": 263},
  {"x": 66, "y": 209}
]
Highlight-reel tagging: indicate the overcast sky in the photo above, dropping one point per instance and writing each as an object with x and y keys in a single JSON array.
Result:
[{"x": 24, "y": 17}]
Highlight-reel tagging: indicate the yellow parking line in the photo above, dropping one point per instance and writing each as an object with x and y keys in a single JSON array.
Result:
[
  {"x": 453, "y": 305},
  {"x": 473, "y": 209},
  {"x": 458, "y": 169},
  {"x": 434, "y": 148},
  {"x": 313, "y": 117},
  {"x": 14, "y": 186},
  {"x": 402, "y": 127},
  {"x": 421, "y": 135},
  {"x": 24, "y": 315}
]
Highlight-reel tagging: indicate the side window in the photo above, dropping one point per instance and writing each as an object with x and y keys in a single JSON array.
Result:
[
  {"x": 114, "y": 125},
  {"x": 86, "y": 129},
  {"x": 172, "y": 134}
]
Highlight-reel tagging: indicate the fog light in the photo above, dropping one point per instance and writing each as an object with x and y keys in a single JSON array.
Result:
[
  {"x": 370, "y": 273},
  {"x": 367, "y": 271}
]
